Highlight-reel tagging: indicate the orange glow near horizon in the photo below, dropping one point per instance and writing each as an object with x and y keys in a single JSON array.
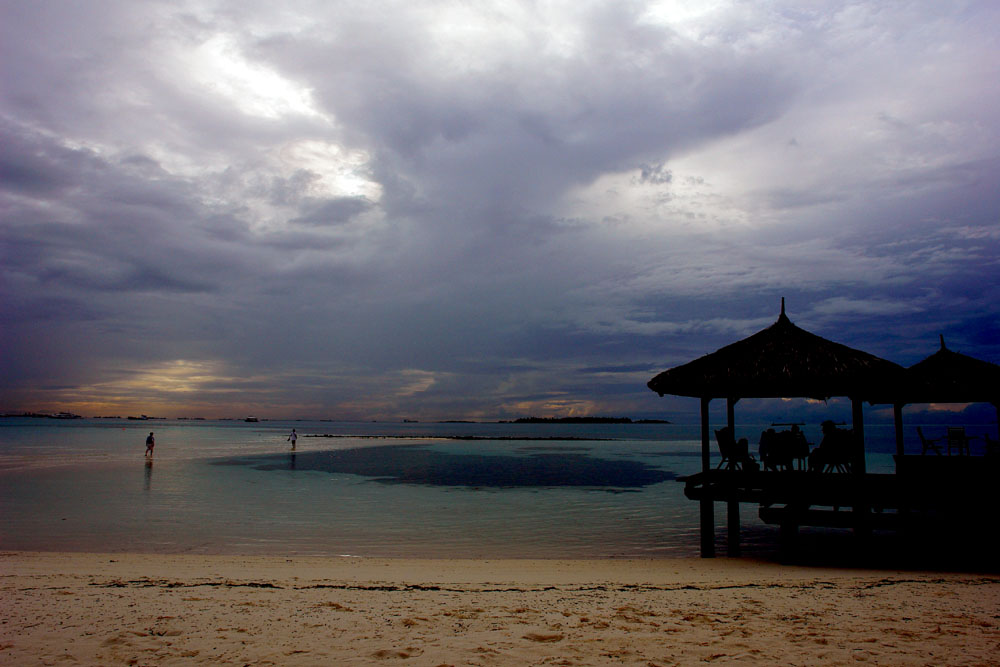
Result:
[{"x": 180, "y": 387}]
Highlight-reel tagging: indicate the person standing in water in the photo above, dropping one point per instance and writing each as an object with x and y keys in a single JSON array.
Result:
[
  {"x": 293, "y": 436},
  {"x": 150, "y": 443}
]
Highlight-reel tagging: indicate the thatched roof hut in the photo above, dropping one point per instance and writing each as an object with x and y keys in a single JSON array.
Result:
[
  {"x": 781, "y": 361},
  {"x": 951, "y": 377},
  {"x": 944, "y": 377}
]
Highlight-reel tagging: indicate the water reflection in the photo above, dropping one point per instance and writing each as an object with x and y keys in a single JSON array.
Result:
[
  {"x": 408, "y": 464},
  {"x": 148, "y": 477}
]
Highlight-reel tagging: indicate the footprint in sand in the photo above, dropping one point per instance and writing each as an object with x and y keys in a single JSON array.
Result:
[
  {"x": 116, "y": 640},
  {"x": 408, "y": 652}
]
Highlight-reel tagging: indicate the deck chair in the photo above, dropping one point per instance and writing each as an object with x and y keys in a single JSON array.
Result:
[
  {"x": 839, "y": 460},
  {"x": 992, "y": 446},
  {"x": 928, "y": 443},
  {"x": 735, "y": 455},
  {"x": 958, "y": 440},
  {"x": 834, "y": 453}
]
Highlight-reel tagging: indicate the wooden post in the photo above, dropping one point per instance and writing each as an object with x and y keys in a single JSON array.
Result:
[
  {"x": 707, "y": 507},
  {"x": 733, "y": 503},
  {"x": 859, "y": 502},
  {"x": 858, "y": 417},
  {"x": 897, "y": 417},
  {"x": 997, "y": 406},
  {"x": 706, "y": 452}
]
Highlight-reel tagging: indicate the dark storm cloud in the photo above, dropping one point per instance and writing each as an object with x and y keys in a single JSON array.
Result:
[
  {"x": 30, "y": 165},
  {"x": 534, "y": 126},
  {"x": 384, "y": 209},
  {"x": 106, "y": 232}
]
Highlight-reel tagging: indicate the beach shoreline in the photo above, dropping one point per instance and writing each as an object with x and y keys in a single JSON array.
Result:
[{"x": 125, "y": 608}]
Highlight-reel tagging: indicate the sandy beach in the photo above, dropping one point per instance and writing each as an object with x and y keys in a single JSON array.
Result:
[{"x": 74, "y": 608}]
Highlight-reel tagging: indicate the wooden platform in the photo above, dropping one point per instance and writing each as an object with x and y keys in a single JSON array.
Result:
[
  {"x": 794, "y": 488},
  {"x": 925, "y": 491}
]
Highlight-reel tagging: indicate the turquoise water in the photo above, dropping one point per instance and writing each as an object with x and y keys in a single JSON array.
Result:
[{"x": 369, "y": 489}]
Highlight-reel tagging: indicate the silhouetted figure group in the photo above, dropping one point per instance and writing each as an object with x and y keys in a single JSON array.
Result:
[
  {"x": 788, "y": 450},
  {"x": 782, "y": 450}
]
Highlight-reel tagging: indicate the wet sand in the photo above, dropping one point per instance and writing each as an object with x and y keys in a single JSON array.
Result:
[{"x": 70, "y": 608}]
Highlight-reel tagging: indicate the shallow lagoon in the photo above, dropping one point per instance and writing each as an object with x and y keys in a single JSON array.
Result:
[{"x": 502, "y": 490}]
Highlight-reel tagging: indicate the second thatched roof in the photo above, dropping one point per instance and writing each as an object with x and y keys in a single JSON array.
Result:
[
  {"x": 951, "y": 377},
  {"x": 781, "y": 361}
]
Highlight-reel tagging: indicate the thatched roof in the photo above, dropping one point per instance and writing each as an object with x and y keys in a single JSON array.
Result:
[
  {"x": 782, "y": 361},
  {"x": 951, "y": 377}
]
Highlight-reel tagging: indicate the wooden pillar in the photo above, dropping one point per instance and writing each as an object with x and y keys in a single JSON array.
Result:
[
  {"x": 897, "y": 417},
  {"x": 858, "y": 417},
  {"x": 862, "y": 527},
  {"x": 706, "y": 452},
  {"x": 707, "y": 507},
  {"x": 997, "y": 406},
  {"x": 733, "y": 503}
]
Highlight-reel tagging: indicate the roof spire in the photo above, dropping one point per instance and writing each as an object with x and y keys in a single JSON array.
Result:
[
  {"x": 782, "y": 318},
  {"x": 942, "y": 342}
]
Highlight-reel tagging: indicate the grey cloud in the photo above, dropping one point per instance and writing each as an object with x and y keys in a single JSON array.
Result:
[
  {"x": 655, "y": 174},
  {"x": 149, "y": 218},
  {"x": 32, "y": 165},
  {"x": 333, "y": 211},
  {"x": 291, "y": 190},
  {"x": 532, "y": 127}
]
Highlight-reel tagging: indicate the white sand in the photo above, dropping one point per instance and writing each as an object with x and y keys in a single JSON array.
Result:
[{"x": 110, "y": 609}]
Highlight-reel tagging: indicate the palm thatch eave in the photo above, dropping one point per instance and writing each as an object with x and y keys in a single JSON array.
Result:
[
  {"x": 948, "y": 377},
  {"x": 781, "y": 361}
]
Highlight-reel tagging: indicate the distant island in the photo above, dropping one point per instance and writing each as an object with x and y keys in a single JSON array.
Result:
[
  {"x": 42, "y": 415},
  {"x": 520, "y": 420},
  {"x": 583, "y": 420}
]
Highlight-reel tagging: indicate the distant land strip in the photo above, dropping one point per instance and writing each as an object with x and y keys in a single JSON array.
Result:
[
  {"x": 583, "y": 420},
  {"x": 450, "y": 437}
]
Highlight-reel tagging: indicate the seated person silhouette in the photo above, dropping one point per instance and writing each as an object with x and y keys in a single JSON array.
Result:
[{"x": 834, "y": 452}]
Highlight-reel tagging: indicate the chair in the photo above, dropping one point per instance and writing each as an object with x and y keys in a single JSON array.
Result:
[
  {"x": 992, "y": 446},
  {"x": 839, "y": 458},
  {"x": 735, "y": 455},
  {"x": 766, "y": 447},
  {"x": 958, "y": 440},
  {"x": 928, "y": 443},
  {"x": 834, "y": 453}
]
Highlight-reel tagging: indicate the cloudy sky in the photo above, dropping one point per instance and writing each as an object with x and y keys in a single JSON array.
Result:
[{"x": 480, "y": 210}]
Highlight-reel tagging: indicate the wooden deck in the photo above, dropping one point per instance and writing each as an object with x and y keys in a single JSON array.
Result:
[{"x": 925, "y": 491}]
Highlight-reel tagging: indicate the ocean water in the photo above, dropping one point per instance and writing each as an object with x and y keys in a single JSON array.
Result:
[{"x": 363, "y": 489}]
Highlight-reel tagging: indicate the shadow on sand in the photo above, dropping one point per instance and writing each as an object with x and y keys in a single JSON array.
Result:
[{"x": 938, "y": 548}]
